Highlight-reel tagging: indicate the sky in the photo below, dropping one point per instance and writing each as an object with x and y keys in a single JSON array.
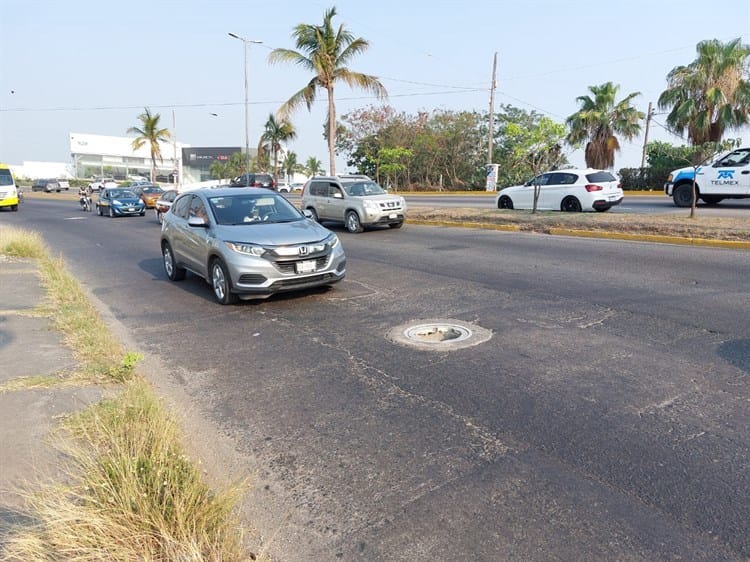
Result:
[{"x": 92, "y": 66}]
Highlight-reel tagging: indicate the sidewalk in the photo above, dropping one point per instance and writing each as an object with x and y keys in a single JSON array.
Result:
[{"x": 29, "y": 346}]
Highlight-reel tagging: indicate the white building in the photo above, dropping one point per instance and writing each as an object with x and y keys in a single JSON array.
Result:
[{"x": 100, "y": 155}]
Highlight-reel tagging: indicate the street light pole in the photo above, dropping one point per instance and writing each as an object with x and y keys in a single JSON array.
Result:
[{"x": 245, "y": 42}]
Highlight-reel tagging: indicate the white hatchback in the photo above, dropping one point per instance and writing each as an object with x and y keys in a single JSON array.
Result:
[{"x": 565, "y": 190}]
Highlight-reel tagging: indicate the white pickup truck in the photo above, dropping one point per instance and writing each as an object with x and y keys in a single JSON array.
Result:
[{"x": 728, "y": 177}]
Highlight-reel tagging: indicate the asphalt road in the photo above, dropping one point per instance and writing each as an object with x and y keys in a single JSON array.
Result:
[{"x": 606, "y": 418}]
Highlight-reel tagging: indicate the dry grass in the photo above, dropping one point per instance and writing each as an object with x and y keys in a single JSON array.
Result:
[
  {"x": 132, "y": 494},
  {"x": 715, "y": 228}
]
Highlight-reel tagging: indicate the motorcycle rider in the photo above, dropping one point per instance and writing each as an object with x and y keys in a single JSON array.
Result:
[{"x": 84, "y": 198}]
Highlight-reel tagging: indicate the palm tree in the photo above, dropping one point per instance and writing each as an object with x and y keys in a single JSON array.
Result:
[
  {"x": 325, "y": 52},
  {"x": 313, "y": 166},
  {"x": 276, "y": 132},
  {"x": 599, "y": 120},
  {"x": 149, "y": 132},
  {"x": 710, "y": 95},
  {"x": 290, "y": 165}
]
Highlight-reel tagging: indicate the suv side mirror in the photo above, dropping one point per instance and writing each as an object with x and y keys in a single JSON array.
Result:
[{"x": 337, "y": 195}]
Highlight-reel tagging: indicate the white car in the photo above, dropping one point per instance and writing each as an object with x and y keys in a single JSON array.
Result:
[{"x": 565, "y": 190}]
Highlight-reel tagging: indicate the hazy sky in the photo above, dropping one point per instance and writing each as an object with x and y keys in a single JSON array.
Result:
[{"x": 92, "y": 66}]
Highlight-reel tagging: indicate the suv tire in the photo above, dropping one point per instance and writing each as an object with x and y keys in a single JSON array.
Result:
[{"x": 353, "y": 224}]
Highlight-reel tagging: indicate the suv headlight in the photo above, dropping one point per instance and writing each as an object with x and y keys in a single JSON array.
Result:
[
  {"x": 248, "y": 249},
  {"x": 371, "y": 205},
  {"x": 332, "y": 241}
]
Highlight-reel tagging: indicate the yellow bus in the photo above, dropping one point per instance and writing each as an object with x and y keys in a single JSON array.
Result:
[{"x": 8, "y": 188}]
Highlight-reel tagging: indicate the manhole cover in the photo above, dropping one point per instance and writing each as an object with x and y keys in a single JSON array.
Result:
[{"x": 442, "y": 335}]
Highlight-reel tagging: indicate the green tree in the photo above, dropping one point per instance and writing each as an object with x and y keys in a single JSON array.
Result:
[
  {"x": 599, "y": 120},
  {"x": 275, "y": 132},
  {"x": 537, "y": 146},
  {"x": 325, "y": 52},
  {"x": 313, "y": 166},
  {"x": 290, "y": 165},
  {"x": 392, "y": 162},
  {"x": 218, "y": 169},
  {"x": 149, "y": 132},
  {"x": 711, "y": 94}
]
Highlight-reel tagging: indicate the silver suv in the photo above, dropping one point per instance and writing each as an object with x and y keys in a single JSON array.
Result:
[
  {"x": 355, "y": 201},
  {"x": 248, "y": 243}
]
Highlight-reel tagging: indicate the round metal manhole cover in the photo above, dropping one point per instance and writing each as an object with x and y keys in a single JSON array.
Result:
[{"x": 439, "y": 335}]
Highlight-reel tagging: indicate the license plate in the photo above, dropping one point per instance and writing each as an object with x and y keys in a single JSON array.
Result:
[
  {"x": 305, "y": 266},
  {"x": 130, "y": 209},
  {"x": 392, "y": 216},
  {"x": 613, "y": 197}
]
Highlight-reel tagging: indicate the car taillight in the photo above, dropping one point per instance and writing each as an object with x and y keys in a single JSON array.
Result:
[{"x": 593, "y": 187}]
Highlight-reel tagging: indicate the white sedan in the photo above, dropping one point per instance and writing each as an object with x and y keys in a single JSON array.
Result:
[{"x": 565, "y": 190}]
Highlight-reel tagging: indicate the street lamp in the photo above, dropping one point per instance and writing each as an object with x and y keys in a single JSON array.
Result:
[{"x": 245, "y": 43}]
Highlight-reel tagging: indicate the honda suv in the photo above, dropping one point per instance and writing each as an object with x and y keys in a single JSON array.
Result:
[
  {"x": 254, "y": 180},
  {"x": 356, "y": 201}
]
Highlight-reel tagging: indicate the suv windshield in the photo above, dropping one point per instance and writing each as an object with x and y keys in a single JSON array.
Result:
[
  {"x": 363, "y": 188},
  {"x": 243, "y": 209},
  {"x": 6, "y": 178}
]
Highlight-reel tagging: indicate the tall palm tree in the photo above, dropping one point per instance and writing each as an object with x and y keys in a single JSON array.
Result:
[
  {"x": 149, "y": 132},
  {"x": 325, "y": 52},
  {"x": 275, "y": 132},
  {"x": 313, "y": 166},
  {"x": 599, "y": 120},
  {"x": 710, "y": 95}
]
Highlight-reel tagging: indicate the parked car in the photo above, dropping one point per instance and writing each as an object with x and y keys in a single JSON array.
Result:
[
  {"x": 565, "y": 190},
  {"x": 118, "y": 202},
  {"x": 254, "y": 180},
  {"x": 149, "y": 194},
  {"x": 283, "y": 187},
  {"x": 63, "y": 185},
  {"x": 297, "y": 186},
  {"x": 46, "y": 185},
  {"x": 248, "y": 243},
  {"x": 163, "y": 204},
  {"x": 356, "y": 202}
]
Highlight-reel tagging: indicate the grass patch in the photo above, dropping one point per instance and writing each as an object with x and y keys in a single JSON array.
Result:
[
  {"x": 713, "y": 228},
  {"x": 129, "y": 493},
  {"x": 132, "y": 494}
]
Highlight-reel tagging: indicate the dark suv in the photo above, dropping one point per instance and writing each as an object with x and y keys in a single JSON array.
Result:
[
  {"x": 46, "y": 185},
  {"x": 254, "y": 180}
]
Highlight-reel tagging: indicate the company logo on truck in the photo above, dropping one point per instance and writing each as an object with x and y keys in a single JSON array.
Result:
[{"x": 725, "y": 177}]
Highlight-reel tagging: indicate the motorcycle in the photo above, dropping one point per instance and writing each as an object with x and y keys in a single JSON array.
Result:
[{"x": 86, "y": 203}]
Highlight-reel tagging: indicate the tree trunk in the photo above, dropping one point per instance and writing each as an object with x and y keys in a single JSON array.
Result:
[{"x": 331, "y": 131}]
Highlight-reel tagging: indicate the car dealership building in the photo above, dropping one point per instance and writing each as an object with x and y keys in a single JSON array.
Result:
[{"x": 100, "y": 155}]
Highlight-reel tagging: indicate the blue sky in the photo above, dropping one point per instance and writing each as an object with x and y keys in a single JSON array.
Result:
[{"x": 91, "y": 66}]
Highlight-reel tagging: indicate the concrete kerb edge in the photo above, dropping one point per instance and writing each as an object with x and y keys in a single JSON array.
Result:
[{"x": 655, "y": 238}]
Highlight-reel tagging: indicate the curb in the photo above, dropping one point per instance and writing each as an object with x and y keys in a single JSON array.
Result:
[{"x": 654, "y": 238}]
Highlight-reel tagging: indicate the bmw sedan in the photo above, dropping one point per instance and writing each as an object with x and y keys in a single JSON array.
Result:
[
  {"x": 565, "y": 190},
  {"x": 248, "y": 243},
  {"x": 119, "y": 202}
]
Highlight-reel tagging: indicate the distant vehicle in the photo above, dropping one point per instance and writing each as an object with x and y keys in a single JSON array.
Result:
[
  {"x": 119, "y": 202},
  {"x": 283, "y": 187},
  {"x": 63, "y": 184},
  {"x": 297, "y": 186},
  {"x": 248, "y": 243},
  {"x": 46, "y": 185},
  {"x": 254, "y": 180},
  {"x": 149, "y": 194},
  {"x": 163, "y": 204},
  {"x": 9, "y": 192},
  {"x": 356, "y": 201},
  {"x": 138, "y": 178},
  {"x": 102, "y": 183},
  {"x": 565, "y": 190},
  {"x": 726, "y": 178}
]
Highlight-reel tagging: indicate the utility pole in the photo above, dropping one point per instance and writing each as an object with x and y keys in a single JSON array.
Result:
[
  {"x": 645, "y": 137},
  {"x": 492, "y": 110},
  {"x": 175, "y": 170}
]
